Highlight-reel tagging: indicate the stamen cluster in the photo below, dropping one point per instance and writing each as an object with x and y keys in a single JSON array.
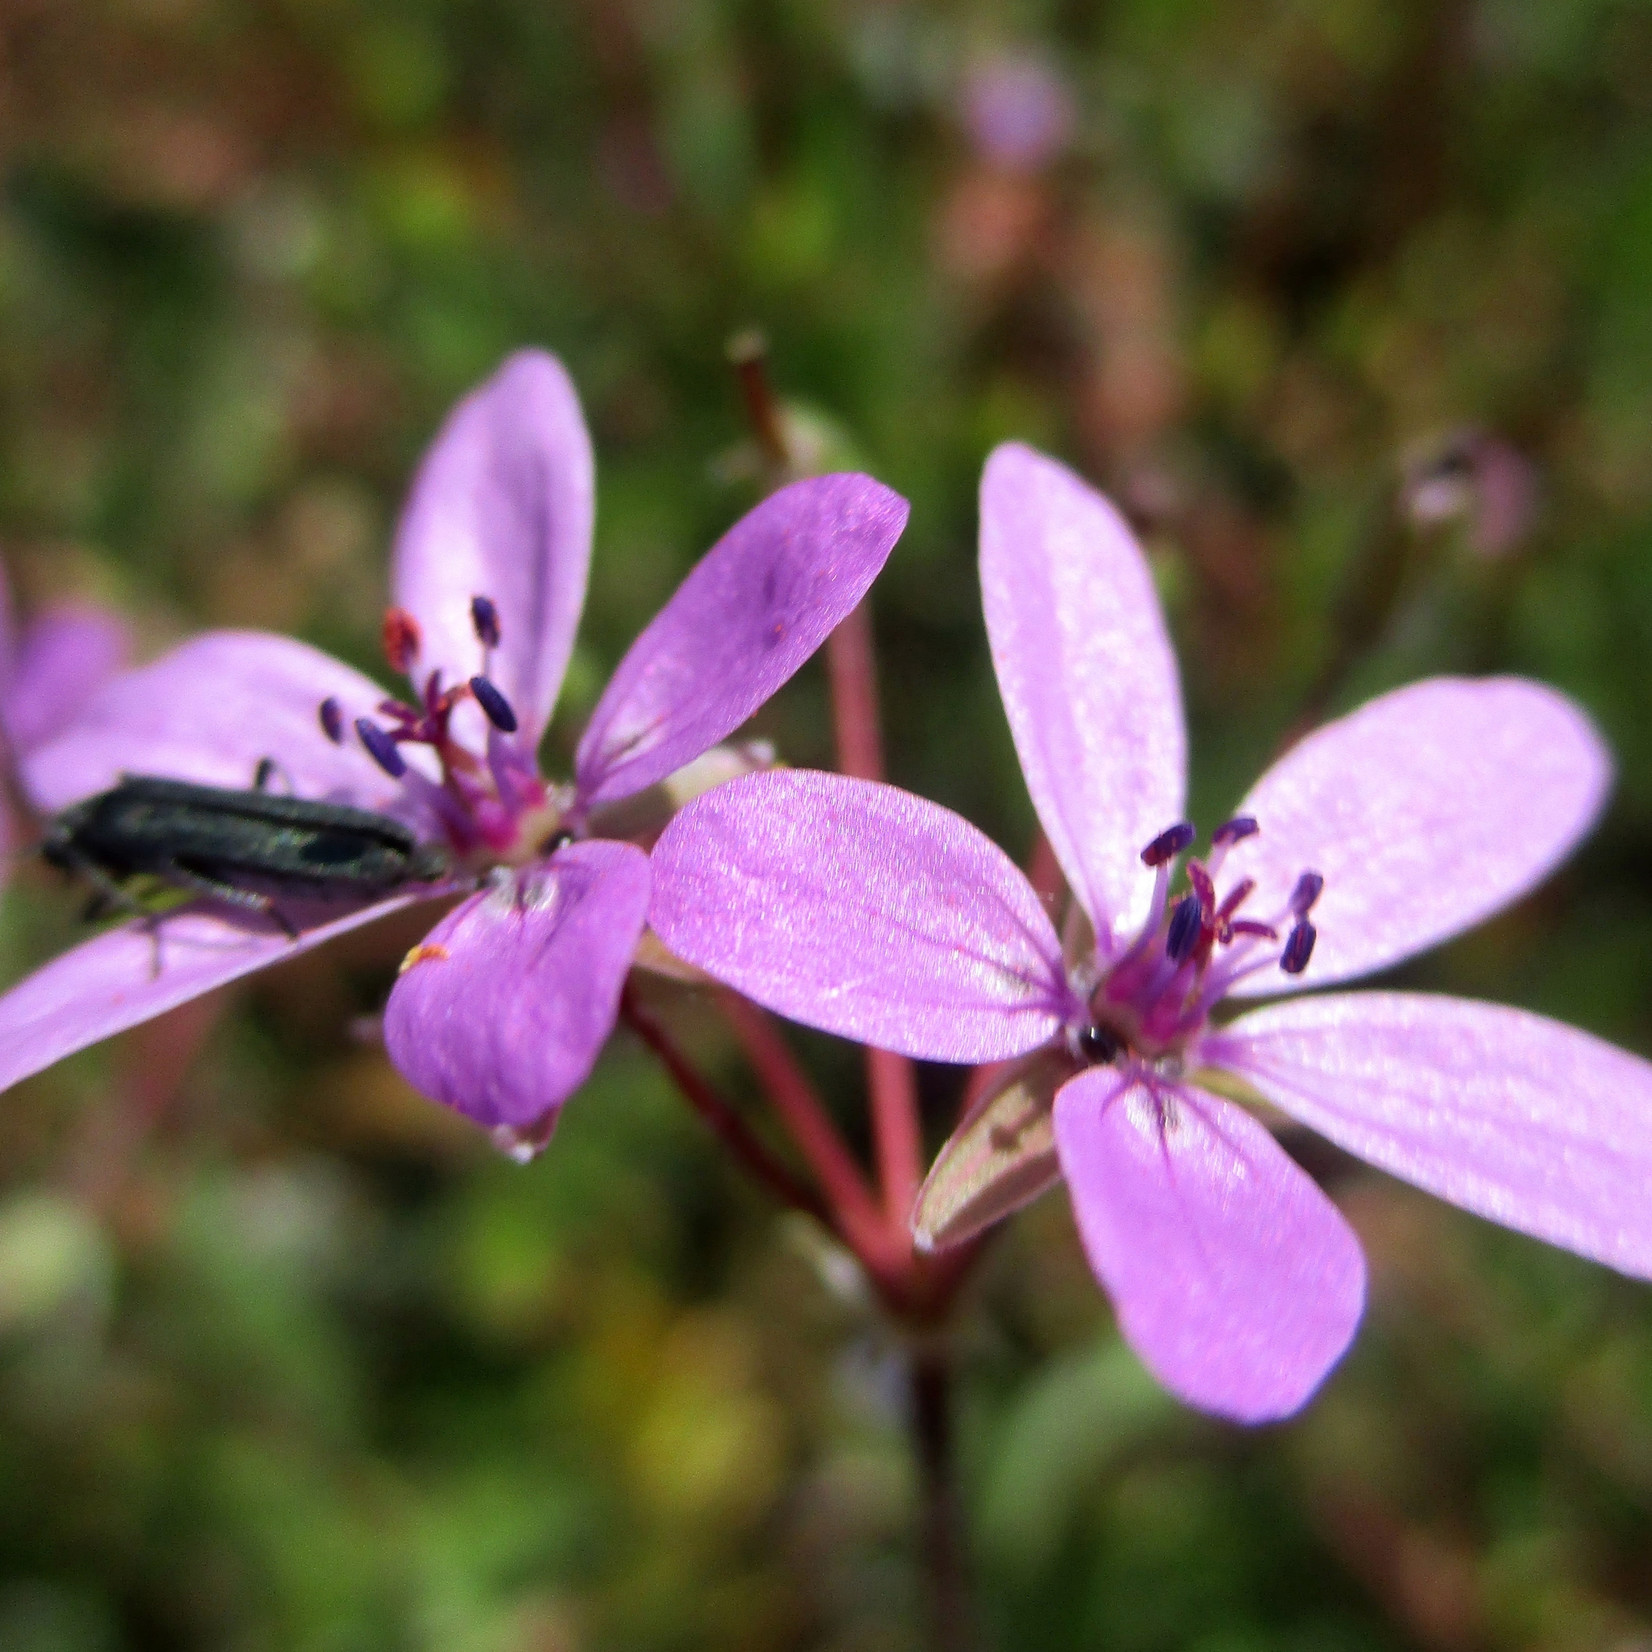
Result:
[
  {"x": 482, "y": 799},
  {"x": 1191, "y": 951}
]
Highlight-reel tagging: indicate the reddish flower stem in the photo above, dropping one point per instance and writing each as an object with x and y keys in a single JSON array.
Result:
[
  {"x": 951, "y": 1626},
  {"x": 981, "y": 1079},
  {"x": 857, "y": 1216},
  {"x": 724, "y": 1120},
  {"x": 851, "y": 669},
  {"x": 748, "y": 354},
  {"x": 898, "y": 1138},
  {"x": 1045, "y": 875},
  {"x": 879, "y": 1236},
  {"x": 897, "y": 1132}
]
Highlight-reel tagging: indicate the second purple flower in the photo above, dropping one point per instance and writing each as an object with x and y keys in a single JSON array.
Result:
[{"x": 871, "y": 913}]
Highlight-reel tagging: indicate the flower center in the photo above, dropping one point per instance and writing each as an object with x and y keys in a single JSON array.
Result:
[
  {"x": 489, "y": 804},
  {"x": 1191, "y": 951}
]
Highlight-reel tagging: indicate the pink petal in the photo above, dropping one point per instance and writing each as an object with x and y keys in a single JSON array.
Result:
[
  {"x": 207, "y": 712},
  {"x": 502, "y": 507},
  {"x": 131, "y": 974},
  {"x": 1087, "y": 675},
  {"x": 757, "y": 605},
  {"x": 1425, "y": 811},
  {"x": 503, "y": 1010},
  {"x": 66, "y": 655},
  {"x": 1234, "y": 1278},
  {"x": 862, "y": 910},
  {"x": 1534, "y": 1124}
]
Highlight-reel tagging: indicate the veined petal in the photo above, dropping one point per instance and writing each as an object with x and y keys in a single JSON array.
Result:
[
  {"x": 65, "y": 656},
  {"x": 1424, "y": 811},
  {"x": 128, "y": 975},
  {"x": 1513, "y": 1116},
  {"x": 1234, "y": 1278},
  {"x": 208, "y": 712},
  {"x": 502, "y": 507},
  {"x": 865, "y": 911},
  {"x": 757, "y": 605},
  {"x": 503, "y": 1010},
  {"x": 1087, "y": 675}
]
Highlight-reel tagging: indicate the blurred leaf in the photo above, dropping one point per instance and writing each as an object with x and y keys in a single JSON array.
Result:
[{"x": 1058, "y": 1443}]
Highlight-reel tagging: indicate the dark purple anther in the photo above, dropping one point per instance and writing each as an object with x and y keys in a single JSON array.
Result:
[
  {"x": 1233, "y": 831},
  {"x": 494, "y": 704},
  {"x": 332, "y": 720},
  {"x": 1183, "y": 934},
  {"x": 485, "y": 617},
  {"x": 1306, "y": 893},
  {"x": 381, "y": 748},
  {"x": 1168, "y": 844},
  {"x": 1299, "y": 948}
]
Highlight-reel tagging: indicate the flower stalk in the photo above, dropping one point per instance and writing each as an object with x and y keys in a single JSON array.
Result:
[
  {"x": 851, "y": 670},
  {"x": 854, "y": 1211},
  {"x": 918, "y": 1289},
  {"x": 942, "y": 1535},
  {"x": 891, "y": 1086},
  {"x": 721, "y": 1116}
]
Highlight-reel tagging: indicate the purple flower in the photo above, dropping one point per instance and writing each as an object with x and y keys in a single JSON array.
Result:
[
  {"x": 48, "y": 671},
  {"x": 502, "y": 1011},
  {"x": 1018, "y": 109},
  {"x": 874, "y": 914}
]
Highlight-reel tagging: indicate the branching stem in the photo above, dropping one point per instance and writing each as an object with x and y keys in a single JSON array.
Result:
[
  {"x": 803, "y": 1112},
  {"x": 891, "y": 1085},
  {"x": 943, "y": 1549},
  {"x": 723, "y": 1118}
]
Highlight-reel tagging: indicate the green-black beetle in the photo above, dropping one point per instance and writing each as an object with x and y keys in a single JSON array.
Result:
[{"x": 240, "y": 847}]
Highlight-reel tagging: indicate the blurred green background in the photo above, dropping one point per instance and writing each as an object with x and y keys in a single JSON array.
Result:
[{"x": 1348, "y": 301}]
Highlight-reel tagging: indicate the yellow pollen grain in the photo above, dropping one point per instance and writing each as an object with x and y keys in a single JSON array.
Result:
[{"x": 424, "y": 953}]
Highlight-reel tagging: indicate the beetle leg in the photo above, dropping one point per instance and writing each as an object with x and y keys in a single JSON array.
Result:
[
  {"x": 267, "y": 770},
  {"x": 108, "y": 895},
  {"x": 249, "y": 900},
  {"x": 153, "y": 924}
]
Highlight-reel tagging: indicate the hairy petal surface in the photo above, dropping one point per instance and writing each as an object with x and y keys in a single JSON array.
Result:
[
  {"x": 503, "y": 507},
  {"x": 63, "y": 659},
  {"x": 503, "y": 1010},
  {"x": 128, "y": 975},
  {"x": 1425, "y": 811},
  {"x": 1234, "y": 1278},
  {"x": 1087, "y": 675},
  {"x": 1513, "y": 1116},
  {"x": 757, "y": 605},
  {"x": 863, "y": 910},
  {"x": 208, "y": 712}
]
